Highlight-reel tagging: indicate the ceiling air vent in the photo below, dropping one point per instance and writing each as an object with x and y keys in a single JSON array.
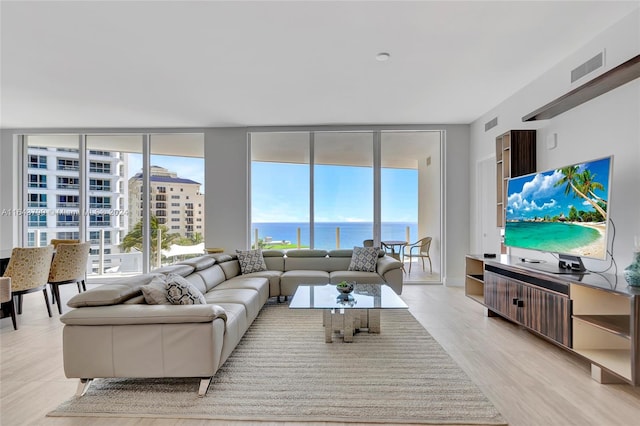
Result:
[
  {"x": 491, "y": 124},
  {"x": 588, "y": 67}
]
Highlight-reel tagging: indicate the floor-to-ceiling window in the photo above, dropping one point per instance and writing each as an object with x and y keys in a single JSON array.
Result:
[
  {"x": 322, "y": 186},
  {"x": 410, "y": 188},
  {"x": 89, "y": 187},
  {"x": 176, "y": 197}
]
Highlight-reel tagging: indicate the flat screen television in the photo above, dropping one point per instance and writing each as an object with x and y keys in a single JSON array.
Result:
[{"x": 564, "y": 211}]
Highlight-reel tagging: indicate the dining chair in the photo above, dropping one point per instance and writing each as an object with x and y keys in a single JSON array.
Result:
[
  {"x": 418, "y": 249},
  {"x": 367, "y": 243},
  {"x": 69, "y": 266},
  {"x": 55, "y": 242},
  {"x": 6, "y": 301},
  {"x": 28, "y": 269}
]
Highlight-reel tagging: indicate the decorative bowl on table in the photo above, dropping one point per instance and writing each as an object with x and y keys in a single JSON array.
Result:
[{"x": 345, "y": 287}]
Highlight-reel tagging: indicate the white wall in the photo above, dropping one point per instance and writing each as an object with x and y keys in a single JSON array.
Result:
[
  {"x": 226, "y": 178},
  {"x": 606, "y": 125},
  {"x": 8, "y": 190},
  {"x": 429, "y": 202}
]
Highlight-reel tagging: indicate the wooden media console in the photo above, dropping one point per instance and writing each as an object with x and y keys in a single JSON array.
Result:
[{"x": 596, "y": 316}]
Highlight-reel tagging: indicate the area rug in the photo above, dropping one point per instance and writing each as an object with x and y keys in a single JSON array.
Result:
[{"x": 283, "y": 370}]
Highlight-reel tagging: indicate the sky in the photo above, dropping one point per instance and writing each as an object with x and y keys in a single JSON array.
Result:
[
  {"x": 536, "y": 195},
  {"x": 280, "y": 193},
  {"x": 185, "y": 167}
]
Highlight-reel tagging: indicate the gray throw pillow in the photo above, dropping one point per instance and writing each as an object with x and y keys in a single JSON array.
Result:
[
  {"x": 251, "y": 261},
  {"x": 364, "y": 259},
  {"x": 155, "y": 293},
  {"x": 182, "y": 292}
]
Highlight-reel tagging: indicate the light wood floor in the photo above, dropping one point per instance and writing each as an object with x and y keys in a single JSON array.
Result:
[{"x": 529, "y": 380}]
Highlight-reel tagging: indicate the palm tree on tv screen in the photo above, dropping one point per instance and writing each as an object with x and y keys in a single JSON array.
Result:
[{"x": 581, "y": 184}]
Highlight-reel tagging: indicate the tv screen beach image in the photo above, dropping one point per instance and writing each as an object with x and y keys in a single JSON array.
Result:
[{"x": 563, "y": 210}]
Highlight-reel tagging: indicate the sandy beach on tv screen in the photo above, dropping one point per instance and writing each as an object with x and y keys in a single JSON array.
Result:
[{"x": 597, "y": 248}]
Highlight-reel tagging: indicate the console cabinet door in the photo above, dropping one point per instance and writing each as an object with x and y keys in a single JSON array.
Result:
[
  {"x": 547, "y": 313},
  {"x": 501, "y": 295}
]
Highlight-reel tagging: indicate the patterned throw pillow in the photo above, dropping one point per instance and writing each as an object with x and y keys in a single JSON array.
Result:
[
  {"x": 182, "y": 292},
  {"x": 251, "y": 261},
  {"x": 155, "y": 293},
  {"x": 364, "y": 259}
]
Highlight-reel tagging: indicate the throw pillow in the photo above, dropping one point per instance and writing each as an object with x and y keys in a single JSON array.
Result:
[
  {"x": 364, "y": 259},
  {"x": 182, "y": 292},
  {"x": 251, "y": 261},
  {"x": 155, "y": 293}
]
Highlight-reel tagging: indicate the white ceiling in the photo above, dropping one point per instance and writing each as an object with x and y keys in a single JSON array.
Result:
[{"x": 201, "y": 64}]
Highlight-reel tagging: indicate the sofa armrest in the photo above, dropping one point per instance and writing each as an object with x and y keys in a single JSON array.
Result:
[
  {"x": 143, "y": 314},
  {"x": 386, "y": 264}
]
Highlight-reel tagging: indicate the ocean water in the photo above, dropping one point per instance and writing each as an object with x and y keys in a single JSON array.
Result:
[
  {"x": 555, "y": 237},
  {"x": 351, "y": 233}
]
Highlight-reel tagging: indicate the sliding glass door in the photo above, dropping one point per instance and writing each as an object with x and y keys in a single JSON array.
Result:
[{"x": 322, "y": 190}]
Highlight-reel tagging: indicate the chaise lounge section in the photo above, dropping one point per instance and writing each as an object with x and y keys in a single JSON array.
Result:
[{"x": 114, "y": 332}]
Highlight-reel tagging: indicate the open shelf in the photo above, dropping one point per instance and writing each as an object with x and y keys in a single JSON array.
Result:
[
  {"x": 615, "y": 360},
  {"x": 617, "y": 324},
  {"x": 474, "y": 278},
  {"x": 615, "y": 77}
]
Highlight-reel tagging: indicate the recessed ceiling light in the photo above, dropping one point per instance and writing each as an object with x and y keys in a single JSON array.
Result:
[{"x": 383, "y": 56}]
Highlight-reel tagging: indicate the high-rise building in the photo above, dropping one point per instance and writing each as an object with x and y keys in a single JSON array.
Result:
[
  {"x": 53, "y": 197},
  {"x": 176, "y": 202}
]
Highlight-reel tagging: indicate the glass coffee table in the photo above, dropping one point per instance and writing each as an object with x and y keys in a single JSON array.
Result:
[{"x": 347, "y": 313}]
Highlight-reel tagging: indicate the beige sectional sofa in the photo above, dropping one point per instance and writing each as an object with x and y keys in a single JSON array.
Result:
[{"x": 113, "y": 332}]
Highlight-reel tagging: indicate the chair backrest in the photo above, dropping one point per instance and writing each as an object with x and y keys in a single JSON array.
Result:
[
  {"x": 69, "y": 262},
  {"x": 367, "y": 243},
  {"x": 55, "y": 243},
  {"x": 425, "y": 245},
  {"x": 29, "y": 267},
  {"x": 5, "y": 289}
]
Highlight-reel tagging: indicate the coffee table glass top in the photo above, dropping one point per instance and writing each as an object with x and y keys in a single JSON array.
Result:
[{"x": 364, "y": 296}]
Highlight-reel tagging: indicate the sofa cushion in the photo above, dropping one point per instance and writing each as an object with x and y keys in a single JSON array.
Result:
[
  {"x": 256, "y": 283},
  {"x": 307, "y": 263},
  {"x": 290, "y": 280},
  {"x": 248, "y": 297},
  {"x": 341, "y": 253},
  {"x": 274, "y": 259},
  {"x": 364, "y": 259},
  {"x": 212, "y": 276},
  {"x": 272, "y": 276},
  {"x": 199, "y": 263},
  {"x": 111, "y": 294},
  {"x": 182, "y": 292},
  {"x": 251, "y": 261},
  {"x": 231, "y": 268},
  {"x": 359, "y": 277},
  {"x": 306, "y": 253},
  {"x": 155, "y": 293},
  {"x": 180, "y": 269}
]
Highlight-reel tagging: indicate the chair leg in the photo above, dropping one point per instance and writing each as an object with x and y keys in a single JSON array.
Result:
[
  {"x": 12, "y": 311},
  {"x": 422, "y": 258},
  {"x": 430, "y": 268},
  {"x": 79, "y": 288},
  {"x": 410, "y": 262},
  {"x": 55, "y": 291},
  {"x": 84, "y": 286},
  {"x": 9, "y": 307},
  {"x": 19, "y": 296},
  {"x": 46, "y": 301}
]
